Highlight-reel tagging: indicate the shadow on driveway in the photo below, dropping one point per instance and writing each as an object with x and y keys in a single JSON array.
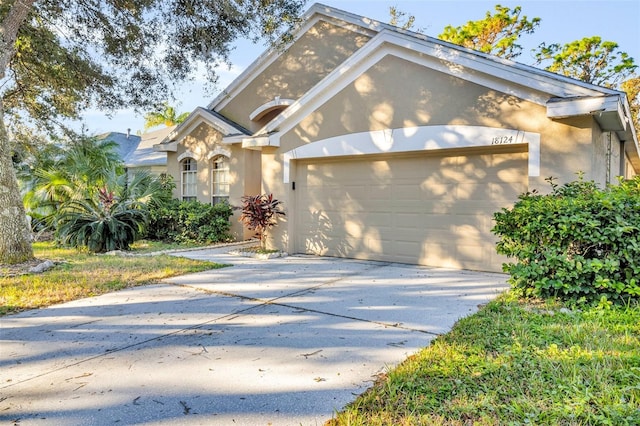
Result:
[{"x": 281, "y": 342}]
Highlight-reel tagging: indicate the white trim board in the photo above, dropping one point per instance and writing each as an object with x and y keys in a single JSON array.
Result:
[{"x": 411, "y": 139}]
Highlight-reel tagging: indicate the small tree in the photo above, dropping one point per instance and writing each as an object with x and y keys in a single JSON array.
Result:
[
  {"x": 260, "y": 213},
  {"x": 496, "y": 34},
  {"x": 101, "y": 224},
  {"x": 590, "y": 59},
  {"x": 164, "y": 114}
]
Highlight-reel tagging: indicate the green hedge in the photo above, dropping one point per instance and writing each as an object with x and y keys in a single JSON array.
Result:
[
  {"x": 190, "y": 222},
  {"x": 579, "y": 243}
]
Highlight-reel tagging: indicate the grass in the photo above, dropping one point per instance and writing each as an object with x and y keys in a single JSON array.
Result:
[
  {"x": 82, "y": 274},
  {"x": 516, "y": 363}
]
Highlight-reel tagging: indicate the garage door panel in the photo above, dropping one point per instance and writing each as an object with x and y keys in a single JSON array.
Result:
[{"x": 421, "y": 209}]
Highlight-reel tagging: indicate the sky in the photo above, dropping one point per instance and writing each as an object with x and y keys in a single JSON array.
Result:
[{"x": 562, "y": 21}]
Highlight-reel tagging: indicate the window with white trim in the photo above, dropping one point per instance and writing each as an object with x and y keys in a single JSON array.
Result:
[
  {"x": 220, "y": 180},
  {"x": 189, "y": 178}
]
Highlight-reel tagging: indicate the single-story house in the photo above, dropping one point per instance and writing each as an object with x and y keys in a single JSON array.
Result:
[
  {"x": 126, "y": 142},
  {"x": 138, "y": 153},
  {"x": 390, "y": 145}
]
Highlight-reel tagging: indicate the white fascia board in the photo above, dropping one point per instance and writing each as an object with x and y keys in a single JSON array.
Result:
[
  {"x": 500, "y": 75},
  {"x": 234, "y": 139},
  {"x": 166, "y": 147},
  {"x": 563, "y": 108},
  {"x": 317, "y": 12},
  {"x": 608, "y": 111},
  {"x": 259, "y": 142}
]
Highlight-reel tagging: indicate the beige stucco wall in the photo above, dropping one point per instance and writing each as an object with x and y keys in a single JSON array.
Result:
[
  {"x": 381, "y": 98},
  {"x": 244, "y": 169},
  {"x": 312, "y": 57},
  {"x": 398, "y": 93}
]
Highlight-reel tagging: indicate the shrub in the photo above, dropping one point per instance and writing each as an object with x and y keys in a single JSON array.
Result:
[
  {"x": 260, "y": 213},
  {"x": 111, "y": 216},
  {"x": 108, "y": 223},
  {"x": 579, "y": 243},
  {"x": 190, "y": 222}
]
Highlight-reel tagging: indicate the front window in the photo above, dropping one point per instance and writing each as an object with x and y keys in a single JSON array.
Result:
[
  {"x": 189, "y": 179},
  {"x": 220, "y": 180}
]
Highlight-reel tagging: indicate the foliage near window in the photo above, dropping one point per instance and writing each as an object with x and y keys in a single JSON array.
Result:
[
  {"x": 260, "y": 213},
  {"x": 579, "y": 243},
  {"x": 190, "y": 222}
]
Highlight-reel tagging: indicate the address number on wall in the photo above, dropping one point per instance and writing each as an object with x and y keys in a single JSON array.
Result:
[{"x": 502, "y": 140}]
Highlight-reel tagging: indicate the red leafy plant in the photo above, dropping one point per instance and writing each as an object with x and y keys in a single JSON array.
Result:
[{"x": 260, "y": 213}]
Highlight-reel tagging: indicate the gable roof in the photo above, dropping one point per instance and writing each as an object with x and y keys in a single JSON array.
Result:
[
  {"x": 522, "y": 81},
  {"x": 562, "y": 96},
  {"x": 229, "y": 129},
  {"x": 144, "y": 155},
  {"x": 317, "y": 12}
]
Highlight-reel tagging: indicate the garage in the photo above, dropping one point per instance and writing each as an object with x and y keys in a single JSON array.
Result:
[{"x": 428, "y": 208}]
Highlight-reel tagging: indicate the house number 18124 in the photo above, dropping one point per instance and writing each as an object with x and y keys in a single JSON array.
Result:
[{"x": 502, "y": 140}]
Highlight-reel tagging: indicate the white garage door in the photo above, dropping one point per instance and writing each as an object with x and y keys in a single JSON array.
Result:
[{"x": 419, "y": 208}]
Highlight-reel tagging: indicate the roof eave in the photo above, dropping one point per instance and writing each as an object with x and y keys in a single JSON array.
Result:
[{"x": 607, "y": 110}]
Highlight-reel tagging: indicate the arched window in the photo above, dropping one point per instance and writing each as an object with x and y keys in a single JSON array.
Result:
[
  {"x": 220, "y": 179},
  {"x": 189, "y": 178}
]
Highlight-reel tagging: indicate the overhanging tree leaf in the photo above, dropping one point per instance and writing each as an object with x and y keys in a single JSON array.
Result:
[{"x": 632, "y": 88}]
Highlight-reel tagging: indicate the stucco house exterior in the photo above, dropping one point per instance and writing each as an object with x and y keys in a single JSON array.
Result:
[{"x": 390, "y": 145}]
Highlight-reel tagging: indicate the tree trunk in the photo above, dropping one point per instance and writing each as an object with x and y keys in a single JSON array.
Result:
[{"x": 15, "y": 234}]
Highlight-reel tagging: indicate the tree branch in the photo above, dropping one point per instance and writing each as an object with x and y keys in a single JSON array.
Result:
[{"x": 9, "y": 31}]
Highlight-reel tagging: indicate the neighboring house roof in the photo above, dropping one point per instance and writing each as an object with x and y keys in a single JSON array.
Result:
[
  {"x": 144, "y": 155},
  {"x": 127, "y": 143}
]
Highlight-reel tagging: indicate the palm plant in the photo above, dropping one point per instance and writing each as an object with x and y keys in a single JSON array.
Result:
[
  {"x": 166, "y": 115},
  {"x": 114, "y": 216},
  {"x": 61, "y": 174},
  {"x": 101, "y": 224},
  {"x": 84, "y": 194}
]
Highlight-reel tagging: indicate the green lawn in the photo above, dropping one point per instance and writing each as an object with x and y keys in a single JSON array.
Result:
[
  {"x": 516, "y": 363},
  {"x": 82, "y": 274}
]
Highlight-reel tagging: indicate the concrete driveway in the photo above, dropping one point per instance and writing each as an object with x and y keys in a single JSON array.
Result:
[{"x": 280, "y": 342}]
